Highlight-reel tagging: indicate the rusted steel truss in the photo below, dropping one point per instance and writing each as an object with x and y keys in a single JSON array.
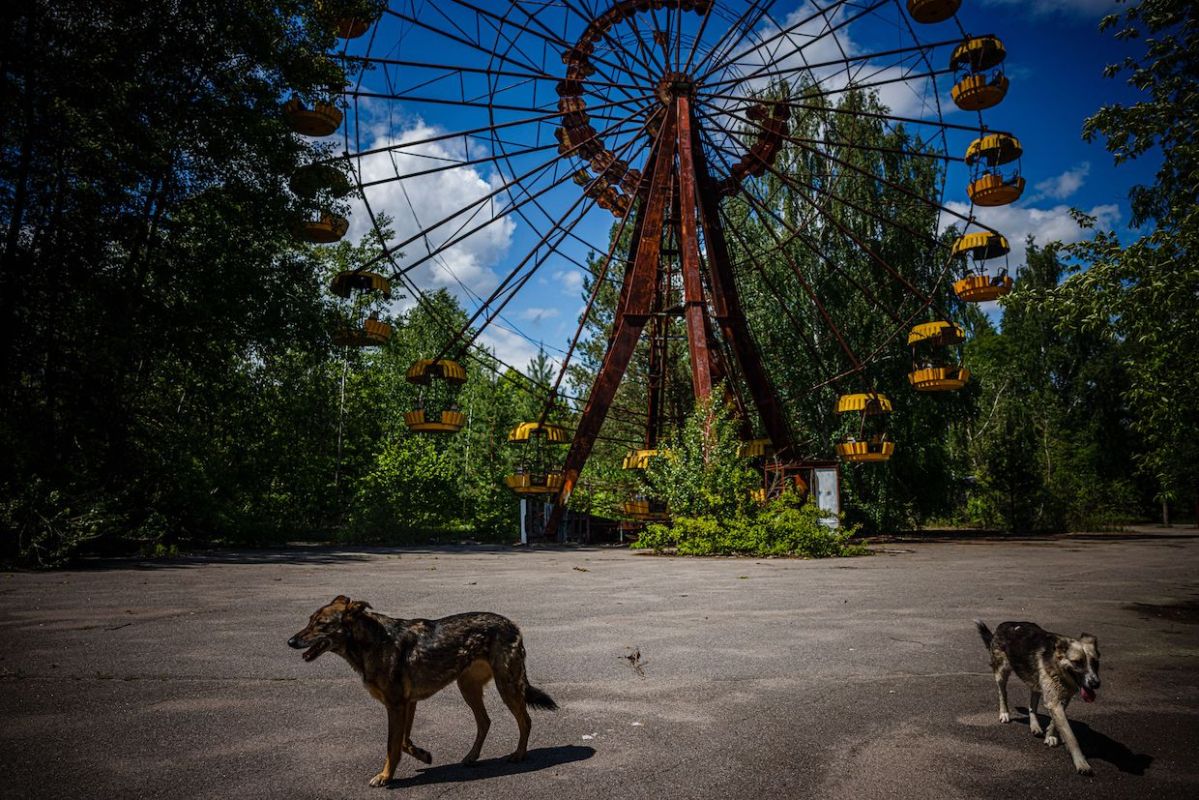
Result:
[{"x": 680, "y": 206}]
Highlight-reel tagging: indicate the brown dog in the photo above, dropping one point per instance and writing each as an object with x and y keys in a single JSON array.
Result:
[{"x": 404, "y": 661}]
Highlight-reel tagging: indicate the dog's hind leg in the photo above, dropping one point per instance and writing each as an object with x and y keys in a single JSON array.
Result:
[
  {"x": 397, "y": 720},
  {"x": 419, "y": 753},
  {"x": 471, "y": 684},
  {"x": 1001, "y": 676},
  {"x": 512, "y": 691},
  {"x": 1063, "y": 726},
  {"x": 1034, "y": 724}
]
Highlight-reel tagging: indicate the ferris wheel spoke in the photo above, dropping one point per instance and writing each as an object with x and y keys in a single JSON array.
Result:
[
  {"x": 703, "y": 26},
  {"x": 621, "y": 52},
  {"x": 452, "y": 69},
  {"x": 549, "y": 111},
  {"x": 517, "y": 181},
  {"x": 587, "y": 204},
  {"x": 852, "y": 87},
  {"x": 753, "y": 257},
  {"x": 832, "y": 218},
  {"x": 766, "y": 72},
  {"x": 479, "y": 47},
  {"x": 789, "y": 30},
  {"x": 796, "y": 234},
  {"x": 805, "y": 285},
  {"x": 739, "y": 31},
  {"x": 597, "y": 285},
  {"x": 463, "y": 134},
  {"x": 648, "y": 55},
  {"x": 867, "y": 175},
  {"x": 833, "y": 268}
]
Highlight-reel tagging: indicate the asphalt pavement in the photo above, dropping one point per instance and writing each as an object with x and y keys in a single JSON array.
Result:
[{"x": 849, "y": 678}]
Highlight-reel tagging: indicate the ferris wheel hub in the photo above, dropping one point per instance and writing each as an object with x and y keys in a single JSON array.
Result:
[{"x": 673, "y": 85}]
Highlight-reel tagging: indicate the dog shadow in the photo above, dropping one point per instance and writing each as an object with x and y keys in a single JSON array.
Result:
[
  {"x": 537, "y": 759},
  {"x": 1100, "y": 746}
]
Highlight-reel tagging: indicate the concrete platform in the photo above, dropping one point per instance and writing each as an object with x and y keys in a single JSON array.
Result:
[{"x": 858, "y": 678}]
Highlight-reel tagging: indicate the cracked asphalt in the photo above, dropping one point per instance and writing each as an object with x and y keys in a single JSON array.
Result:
[{"x": 854, "y": 678}]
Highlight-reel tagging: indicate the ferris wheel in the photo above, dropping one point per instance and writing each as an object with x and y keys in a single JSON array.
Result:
[{"x": 637, "y": 141}]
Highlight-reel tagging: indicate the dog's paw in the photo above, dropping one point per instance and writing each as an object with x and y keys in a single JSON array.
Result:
[
  {"x": 1036, "y": 730},
  {"x": 470, "y": 758},
  {"x": 382, "y": 779},
  {"x": 420, "y": 754},
  {"x": 1084, "y": 769},
  {"x": 1005, "y": 717},
  {"x": 516, "y": 758},
  {"x": 1051, "y": 741}
]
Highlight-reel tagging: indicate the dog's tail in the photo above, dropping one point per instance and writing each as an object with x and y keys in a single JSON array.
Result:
[
  {"x": 535, "y": 698},
  {"x": 983, "y": 631}
]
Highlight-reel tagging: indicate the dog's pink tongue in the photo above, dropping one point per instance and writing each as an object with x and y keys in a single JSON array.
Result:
[{"x": 1087, "y": 694}]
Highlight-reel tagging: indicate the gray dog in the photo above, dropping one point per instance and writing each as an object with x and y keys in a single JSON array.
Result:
[{"x": 1054, "y": 667}]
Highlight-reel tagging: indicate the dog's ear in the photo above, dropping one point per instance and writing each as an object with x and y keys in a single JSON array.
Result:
[
  {"x": 1088, "y": 639},
  {"x": 1060, "y": 647},
  {"x": 340, "y": 600},
  {"x": 357, "y": 607}
]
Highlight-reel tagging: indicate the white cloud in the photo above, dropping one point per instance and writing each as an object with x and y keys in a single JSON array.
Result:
[
  {"x": 418, "y": 202},
  {"x": 1089, "y": 8},
  {"x": 570, "y": 281},
  {"x": 512, "y": 348},
  {"x": 811, "y": 43},
  {"x": 1047, "y": 225},
  {"x": 1059, "y": 187},
  {"x": 539, "y": 314}
]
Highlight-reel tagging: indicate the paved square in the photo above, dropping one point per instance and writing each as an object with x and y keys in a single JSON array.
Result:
[{"x": 852, "y": 678}]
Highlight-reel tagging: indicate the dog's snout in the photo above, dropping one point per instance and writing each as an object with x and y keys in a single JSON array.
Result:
[
  {"x": 294, "y": 642},
  {"x": 1092, "y": 682}
]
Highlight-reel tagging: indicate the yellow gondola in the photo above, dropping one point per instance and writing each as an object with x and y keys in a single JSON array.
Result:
[
  {"x": 638, "y": 459},
  {"x": 345, "y": 283},
  {"x": 537, "y": 471},
  {"x": 978, "y": 63},
  {"x": 644, "y": 509},
  {"x": 982, "y": 288},
  {"x": 989, "y": 185},
  {"x": 872, "y": 442},
  {"x": 448, "y": 421},
  {"x": 935, "y": 366},
  {"x": 756, "y": 448},
  {"x": 350, "y": 19},
  {"x": 373, "y": 333},
  {"x": 313, "y": 180},
  {"x": 323, "y": 119},
  {"x": 326, "y": 229},
  {"x": 932, "y": 11},
  {"x": 976, "y": 286},
  {"x": 438, "y": 412},
  {"x": 531, "y": 431}
]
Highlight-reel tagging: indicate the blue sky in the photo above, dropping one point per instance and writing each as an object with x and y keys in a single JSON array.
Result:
[{"x": 1055, "y": 62}]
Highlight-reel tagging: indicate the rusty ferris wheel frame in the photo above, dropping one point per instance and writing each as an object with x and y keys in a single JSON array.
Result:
[{"x": 659, "y": 111}]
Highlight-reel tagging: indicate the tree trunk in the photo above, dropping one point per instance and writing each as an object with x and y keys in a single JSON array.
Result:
[{"x": 1165, "y": 513}]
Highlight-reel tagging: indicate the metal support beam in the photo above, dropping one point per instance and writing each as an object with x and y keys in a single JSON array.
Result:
[
  {"x": 634, "y": 310},
  {"x": 726, "y": 305}
]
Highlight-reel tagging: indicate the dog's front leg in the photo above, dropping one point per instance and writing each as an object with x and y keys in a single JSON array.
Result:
[
  {"x": 1034, "y": 724},
  {"x": 1063, "y": 727},
  {"x": 397, "y": 721}
]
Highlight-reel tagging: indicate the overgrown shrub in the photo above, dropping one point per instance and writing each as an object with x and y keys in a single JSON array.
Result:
[{"x": 787, "y": 526}]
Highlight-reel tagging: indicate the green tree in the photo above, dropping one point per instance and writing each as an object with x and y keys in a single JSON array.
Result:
[
  {"x": 142, "y": 140},
  {"x": 1143, "y": 294}
]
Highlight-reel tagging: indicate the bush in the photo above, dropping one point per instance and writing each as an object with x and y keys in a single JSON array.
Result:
[{"x": 785, "y": 527}]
